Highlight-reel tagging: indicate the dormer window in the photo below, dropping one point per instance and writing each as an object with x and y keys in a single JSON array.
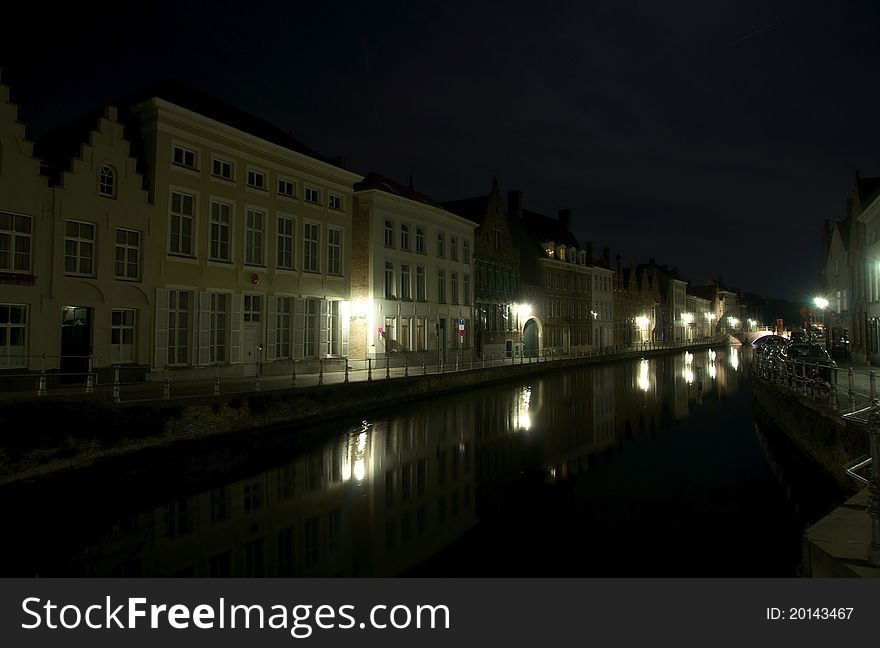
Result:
[{"x": 107, "y": 182}]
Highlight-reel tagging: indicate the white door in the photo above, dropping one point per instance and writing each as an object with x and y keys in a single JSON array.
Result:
[{"x": 250, "y": 347}]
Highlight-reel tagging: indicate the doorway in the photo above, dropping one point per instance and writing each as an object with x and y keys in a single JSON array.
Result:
[
  {"x": 530, "y": 338},
  {"x": 76, "y": 343}
]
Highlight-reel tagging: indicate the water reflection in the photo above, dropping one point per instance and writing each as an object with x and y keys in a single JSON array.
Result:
[{"x": 385, "y": 496}]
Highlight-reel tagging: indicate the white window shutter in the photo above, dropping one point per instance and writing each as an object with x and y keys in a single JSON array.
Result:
[
  {"x": 343, "y": 327},
  {"x": 161, "y": 328},
  {"x": 235, "y": 329},
  {"x": 271, "y": 328},
  {"x": 299, "y": 322},
  {"x": 203, "y": 338},
  {"x": 323, "y": 333}
]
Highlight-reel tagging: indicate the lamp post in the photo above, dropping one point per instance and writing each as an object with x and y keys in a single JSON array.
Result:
[{"x": 822, "y": 303}]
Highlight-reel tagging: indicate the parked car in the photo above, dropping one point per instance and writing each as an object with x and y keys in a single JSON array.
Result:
[
  {"x": 805, "y": 359},
  {"x": 799, "y": 335},
  {"x": 840, "y": 347}
]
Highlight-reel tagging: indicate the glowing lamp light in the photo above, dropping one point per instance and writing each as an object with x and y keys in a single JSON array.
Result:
[
  {"x": 524, "y": 311},
  {"x": 821, "y": 302},
  {"x": 359, "y": 308},
  {"x": 642, "y": 321},
  {"x": 687, "y": 318}
]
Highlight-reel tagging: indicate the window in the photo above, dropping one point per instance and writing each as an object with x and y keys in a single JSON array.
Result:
[
  {"x": 178, "y": 326},
  {"x": 13, "y": 334},
  {"x": 310, "y": 248},
  {"x": 217, "y": 339},
  {"x": 467, "y": 290},
  {"x": 421, "y": 325},
  {"x": 79, "y": 248},
  {"x": 127, "y": 254},
  {"x": 313, "y": 195},
  {"x": 15, "y": 243},
  {"x": 182, "y": 217},
  {"x": 420, "y": 240},
  {"x": 453, "y": 287},
  {"x": 221, "y": 169},
  {"x": 256, "y": 179},
  {"x": 310, "y": 332},
  {"x": 106, "y": 182},
  {"x": 184, "y": 157},
  {"x": 286, "y": 188},
  {"x": 253, "y": 237},
  {"x": 122, "y": 335},
  {"x": 421, "y": 283},
  {"x": 466, "y": 253},
  {"x": 285, "y": 240},
  {"x": 405, "y": 292},
  {"x": 253, "y": 305},
  {"x": 389, "y": 234},
  {"x": 404, "y": 237},
  {"x": 441, "y": 245},
  {"x": 334, "y": 201},
  {"x": 334, "y": 251},
  {"x": 441, "y": 286},
  {"x": 221, "y": 226},
  {"x": 453, "y": 248},
  {"x": 389, "y": 280},
  {"x": 282, "y": 329}
]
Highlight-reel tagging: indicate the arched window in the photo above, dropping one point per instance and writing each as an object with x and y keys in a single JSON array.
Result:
[{"x": 106, "y": 180}]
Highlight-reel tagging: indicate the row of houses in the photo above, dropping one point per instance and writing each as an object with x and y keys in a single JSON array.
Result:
[
  {"x": 173, "y": 231},
  {"x": 851, "y": 272}
]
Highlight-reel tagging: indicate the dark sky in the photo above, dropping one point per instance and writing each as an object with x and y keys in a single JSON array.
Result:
[{"x": 712, "y": 136}]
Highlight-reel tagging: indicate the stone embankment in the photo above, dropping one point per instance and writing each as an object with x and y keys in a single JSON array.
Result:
[{"x": 45, "y": 435}]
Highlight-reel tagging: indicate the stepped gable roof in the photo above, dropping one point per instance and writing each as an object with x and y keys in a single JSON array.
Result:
[
  {"x": 844, "y": 225},
  {"x": 379, "y": 182},
  {"x": 546, "y": 228},
  {"x": 180, "y": 94},
  {"x": 58, "y": 147},
  {"x": 474, "y": 209},
  {"x": 869, "y": 189}
]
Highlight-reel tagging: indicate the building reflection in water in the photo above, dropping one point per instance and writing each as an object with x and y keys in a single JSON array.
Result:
[{"x": 387, "y": 495}]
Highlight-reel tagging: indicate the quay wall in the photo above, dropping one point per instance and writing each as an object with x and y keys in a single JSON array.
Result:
[
  {"x": 46, "y": 435},
  {"x": 819, "y": 432}
]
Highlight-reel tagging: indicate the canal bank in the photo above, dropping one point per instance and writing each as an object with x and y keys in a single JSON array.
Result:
[
  {"x": 46, "y": 436},
  {"x": 838, "y": 544}
]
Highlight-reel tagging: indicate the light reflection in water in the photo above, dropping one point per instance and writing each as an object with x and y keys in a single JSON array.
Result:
[
  {"x": 386, "y": 495},
  {"x": 644, "y": 381}
]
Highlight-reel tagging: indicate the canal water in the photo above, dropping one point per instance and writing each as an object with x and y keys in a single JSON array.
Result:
[{"x": 655, "y": 467}]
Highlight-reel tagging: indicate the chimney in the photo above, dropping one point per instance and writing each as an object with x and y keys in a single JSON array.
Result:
[
  {"x": 514, "y": 203},
  {"x": 565, "y": 219},
  {"x": 606, "y": 256}
]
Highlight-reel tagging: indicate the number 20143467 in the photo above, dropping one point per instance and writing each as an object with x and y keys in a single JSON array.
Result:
[{"x": 809, "y": 614}]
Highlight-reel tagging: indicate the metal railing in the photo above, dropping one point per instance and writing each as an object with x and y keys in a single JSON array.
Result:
[
  {"x": 115, "y": 382},
  {"x": 822, "y": 383}
]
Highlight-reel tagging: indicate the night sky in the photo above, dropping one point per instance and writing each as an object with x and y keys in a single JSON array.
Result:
[{"x": 712, "y": 136}]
